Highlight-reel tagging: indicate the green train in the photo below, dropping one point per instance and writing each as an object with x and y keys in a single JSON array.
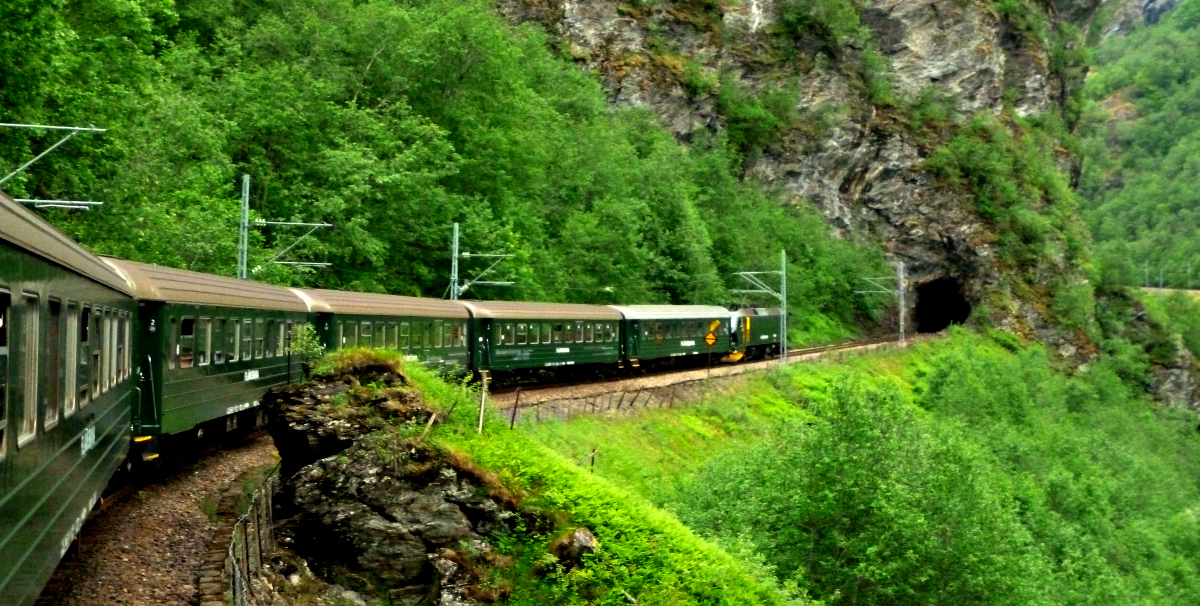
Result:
[{"x": 101, "y": 359}]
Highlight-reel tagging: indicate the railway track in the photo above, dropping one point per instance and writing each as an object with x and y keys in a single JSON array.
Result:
[{"x": 532, "y": 394}]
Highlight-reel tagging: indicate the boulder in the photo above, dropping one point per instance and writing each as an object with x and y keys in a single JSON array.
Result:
[{"x": 570, "y": 549}]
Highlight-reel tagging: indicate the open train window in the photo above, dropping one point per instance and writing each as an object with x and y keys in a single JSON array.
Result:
[
  {"x": 71, "y": 358},
  {"x": 460, "y": 334},
  {"x": 187, "y": 342},
  {"x": 247, "y": 338},
  {"x": 218, "y": 341},
  {"x": 27, "y": 359},
  {"x": 204, "y": 346},
  {"x": 5, "y": 303},
  {"x": 404, "y": 336},
  {"x": 259, "y": 337}
]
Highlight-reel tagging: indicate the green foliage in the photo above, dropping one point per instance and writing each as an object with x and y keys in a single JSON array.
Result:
[
  {"x": 1011, "y": 175},
  {"x": 470, "y": 119},
  {"x": 840, "y": 32},
  {"x": 963, "y": 471},
  {"x": 644, "y": 553},
  {"x": 1142, "y": 139},
  {"x": 305, "y": 342}
]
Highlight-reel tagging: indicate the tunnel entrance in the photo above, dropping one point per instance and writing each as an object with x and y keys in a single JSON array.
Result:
[{"x": 941, "y": 303}]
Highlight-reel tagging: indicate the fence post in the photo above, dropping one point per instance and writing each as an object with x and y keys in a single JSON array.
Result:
[{"x": 516, "y": 405}]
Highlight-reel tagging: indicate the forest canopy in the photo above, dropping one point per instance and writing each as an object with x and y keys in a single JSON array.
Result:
[{"x": 391, "y": 119}]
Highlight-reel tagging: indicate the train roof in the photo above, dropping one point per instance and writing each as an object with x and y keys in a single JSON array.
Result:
[
  {"x": 539, "y": 311},
  {"x": 345, "y": 302},
  {"x": 671, "y": 312},
  {"x": 26, "y": 230},
  {"x": 155, "y": 283},
  {"x": 758, "y": 311}
]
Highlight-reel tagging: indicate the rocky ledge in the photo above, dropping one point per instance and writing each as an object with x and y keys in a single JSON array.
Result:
[{"x": 369, "y": 515}]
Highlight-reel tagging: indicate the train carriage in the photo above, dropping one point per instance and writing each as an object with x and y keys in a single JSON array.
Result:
[
  {"x": 209, "y": 347},
  {"x": 510, "y": 337},
  {"x": 66, "y": 384},
  {"x": 430, "y": 331},
  {"x": 662, "y": 332},
  {"x": 756, "y": 331}
]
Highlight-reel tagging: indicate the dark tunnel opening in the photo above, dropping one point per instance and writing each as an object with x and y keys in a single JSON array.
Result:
[{"x": 941, "y": 303}]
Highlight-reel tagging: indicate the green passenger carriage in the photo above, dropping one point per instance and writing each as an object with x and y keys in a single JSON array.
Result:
[
  {"x": 663, "y": 332},
  {"x": 430, "y": 331},
  {"x": 65, "y": 391},
  {"x": 509, "y": 337},
  {"x": 208, "y": 348}
]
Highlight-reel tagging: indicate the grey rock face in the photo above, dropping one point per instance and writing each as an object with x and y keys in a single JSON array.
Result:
[
  {"x": 1176, "y": 385},
  {"x": 863, "y": 173}
]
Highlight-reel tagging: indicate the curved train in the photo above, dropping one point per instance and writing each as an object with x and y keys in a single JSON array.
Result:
[{"x": 101, "y": 358}]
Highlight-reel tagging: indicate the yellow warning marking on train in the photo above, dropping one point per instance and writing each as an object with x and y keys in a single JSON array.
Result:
[
  {"x": 710, "y": 339},
  {"x": 714, "y": 326}
]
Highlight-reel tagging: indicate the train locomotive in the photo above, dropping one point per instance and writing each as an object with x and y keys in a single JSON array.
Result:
[{"x": 102, "y": 359}]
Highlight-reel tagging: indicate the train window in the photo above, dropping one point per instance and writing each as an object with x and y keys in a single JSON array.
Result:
[
  {"x": 579, "y": 332},
  {"x": 534, "y": 331},
  {"x": 111, "y": 317},
  {"x": 218, "y": 341},
  {"x": 522, "y": 334},
  {"x": 233, "y": 340},
  {"x": 352, "y": 334},
  {"x": 204, "y": 346},
  {"x": 588, "y": 335},
  {"x": 247, "y": 338},
  {"x": 281, "y": 331},
  {"x": 460, "y": 334},
  {"x": 97, "y": 351},
  {"x": 557, "y": 333},
  {"x": 27, "y": 358},
  {"x": 269, "y": 340},
  {"x": 447, "y": 329},
  {"x": 547, "y": 329},
  {"x": 364, "y": 334},
  {"x": 71, "y": 357},
  {"x": 404, "y": 336},
  {"x": 121, "y": 324},
  {"x": 187, "y": 342},
  {"x": 393, "y": 334},
  {"x": 85, "y": 355},
  {"x": 54, "y": 361},
  {"x": 427, "y": 338},
  {"x": 5, "y": 302},
  {"x": 259, "y": 337}
]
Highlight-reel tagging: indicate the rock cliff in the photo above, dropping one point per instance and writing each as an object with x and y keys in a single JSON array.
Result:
[{"x": 857, "y": 160}]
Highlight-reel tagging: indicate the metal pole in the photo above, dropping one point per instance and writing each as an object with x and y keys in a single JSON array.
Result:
[
  {"x": 900, "y": 294},
  {"x": 244, "y": 230},
  {"x": 482, "y": 402},
  {"x": 783, "y": 317},
  {"x": 454, "y": 265},
  {"x": 1160, "y": 277},
  {"x": 39, "y": 156}
]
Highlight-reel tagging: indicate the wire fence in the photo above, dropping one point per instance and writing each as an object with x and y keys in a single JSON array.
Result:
[{"x": 252, "y": 541}]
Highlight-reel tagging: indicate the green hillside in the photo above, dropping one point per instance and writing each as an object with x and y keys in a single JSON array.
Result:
[
  {"x": 391, "y": 120},
  {"x": 1141, "y": 143}
]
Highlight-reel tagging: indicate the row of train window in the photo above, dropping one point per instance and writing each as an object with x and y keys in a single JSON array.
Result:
[
  {"x": 85, "y": 350},
  {"x": 535, "y": 333},
  {"x": 204, "y": 341},
  {"x": 659, "y": 331},
  {"x": 402, "y": 336}
]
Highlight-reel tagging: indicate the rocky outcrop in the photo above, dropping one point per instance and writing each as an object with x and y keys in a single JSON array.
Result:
[
  {"x": 373, "y": 511},
  {"x": 862, "y": 168},
  {"x": 1175, "y": 384},
  {"x": 411, "y": 527}
]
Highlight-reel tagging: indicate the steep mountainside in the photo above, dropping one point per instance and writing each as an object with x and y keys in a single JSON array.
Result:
[{"x": 898, "y": 120}]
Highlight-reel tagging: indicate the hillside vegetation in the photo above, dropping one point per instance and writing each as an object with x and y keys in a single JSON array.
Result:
[
  {"x": 391, "y": 119},
  {"x": 966, "y": 471},
  {"x": 1141, "y": 142}
]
